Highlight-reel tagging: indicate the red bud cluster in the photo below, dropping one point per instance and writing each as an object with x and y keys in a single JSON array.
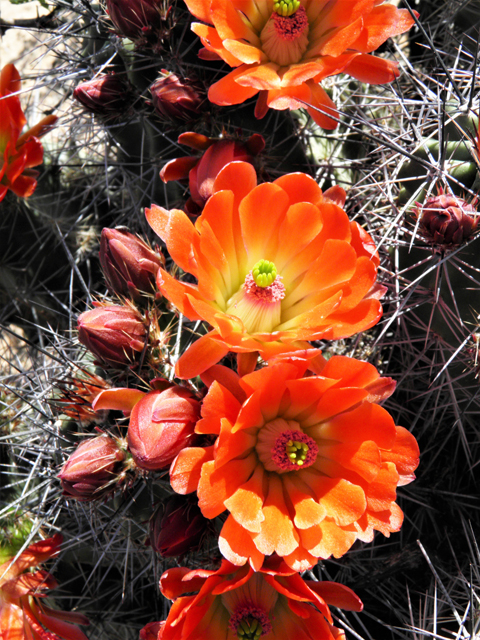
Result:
[
  {"x": 116, "y": 334},
  {"x": 129, "y": 265}
]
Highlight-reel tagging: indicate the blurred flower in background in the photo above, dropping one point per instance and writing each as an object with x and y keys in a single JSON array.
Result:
[{"x": 18, "y": 152}]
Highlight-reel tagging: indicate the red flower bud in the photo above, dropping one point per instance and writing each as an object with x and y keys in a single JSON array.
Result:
[
  {"x": 161, "y": 425},
  {"x": 129, "y": 265},
  {"x": 176, "y": 99},
  {"x": 447, "y": 219},
  {"x": 93, "y": 468},
  {"x": 152, "y": 631},
  {"x": 204, "y": 171},
  {"x": 177, "y": 526},
  {"x": 136, "y": 19},
  {"x": 115, "y": 334},
  {"x": 108, "y": 96}
]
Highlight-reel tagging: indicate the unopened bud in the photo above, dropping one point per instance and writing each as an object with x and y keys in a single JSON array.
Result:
[
  {"x": 136, "y": 19},
  {"x": 161, "y": 425},
  {"x": 447, "y": 219},
  {"x": 129, "y": 265},
  {"x": 176, "y": 99},
  {"x": 93, "y": 468},
  {"x": 177, "y": 526},
  {"x": 107, "y": 96},
  {"x": 116, "y": 334}
]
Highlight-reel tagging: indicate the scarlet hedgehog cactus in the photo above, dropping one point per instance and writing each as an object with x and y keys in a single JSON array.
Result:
[
  {"x": 291, "y": 466},
  {"x": 22, "y": 614},
  {"x": 18, "y": 152},
  {"x": 283, "y": 50},
  {"x": 274, "y": 603},
  {"x": 268, "y": 283}
]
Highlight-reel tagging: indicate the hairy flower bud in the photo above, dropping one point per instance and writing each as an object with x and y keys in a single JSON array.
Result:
[
  {"x": 176, "y": 99},
  {"x": 161, "y": 424},
  {"x": 447, "y": 219},
  {"x": 177, "y": 526},
  {"x": 107, "y": 96},
  {"x": 135, "y": 19},
  {"x": 92, "y": 469},
  {"x": 129, "y": 265},
  {"x": 114, "y": 333}
]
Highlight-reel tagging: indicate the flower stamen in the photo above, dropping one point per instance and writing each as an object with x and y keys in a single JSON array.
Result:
[
  {"x": 285, "y": 38},
  {"x": 294, "y": 450},
  {"x": 250, "y": 622}
]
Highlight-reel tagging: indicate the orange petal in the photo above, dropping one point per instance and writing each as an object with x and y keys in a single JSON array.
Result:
[
  {"x": 201, "y": 355},
  {"x": 372, "y": 70},
  {"x": 178, "y": 233},
  {"x": 217, "y": 485},
  {"x": 327, "y": 539},
  {"x": 238, "y": 177},
  {"x": 218, "y": 403},
  {"x": 117, "y": 399},
  {"x": 200, "y": 9},
  {"x": 246, "y": 503},
  {"x": 300, "y": 187},
  {"x": 308, "y": 512},
  {"x": 260, "y": 233},
  {"x": 186, "y": 468},
  {"x": 336, "y": 595},
  {"x": 228, "y": 22},
  {"x": 245, "y": 52},
  {"x": 343, "y": 501},
  {"x": 236, "y": 544},
  {"x": 228, "y": 91},
  {"x": 404, "y": 454},
  {"x": 321, "y": 107},
  {"x": 277, "y": 531},
  {"x": 261, "y": 77},
  {"x": 178, "y": 169},
  {"x": 289, "y": 97}
]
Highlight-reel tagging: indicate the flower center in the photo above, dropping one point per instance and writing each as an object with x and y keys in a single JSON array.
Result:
[
  {"x": 282, "y": 446},
  {"x": 294, "y": 450},
  {"x": 285, "y": 7},
  {"x": 285, "y": 36},
  {"x": 258, "y": 302},
  {"x": 264, "y": 273},
  {"x": 250, "y": 622}
]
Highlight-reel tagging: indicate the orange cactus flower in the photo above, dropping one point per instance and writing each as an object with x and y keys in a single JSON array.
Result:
[
  {"x": 22, "y": 615},
  {"x": 283, "y": 49},
  {"x": 274, "y": 603},
  {"x": 305, "y": 465},
  {"x": 18, "y": 153},
  {"x": 276, "y": 264}
]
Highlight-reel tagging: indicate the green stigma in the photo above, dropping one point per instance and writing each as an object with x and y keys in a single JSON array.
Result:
[
  {"x": 249, "y": 629},
  {"x": 264, "y": 273},
  {"x": 285, "y": 7},
  {"x": 296, "y": 452}
]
